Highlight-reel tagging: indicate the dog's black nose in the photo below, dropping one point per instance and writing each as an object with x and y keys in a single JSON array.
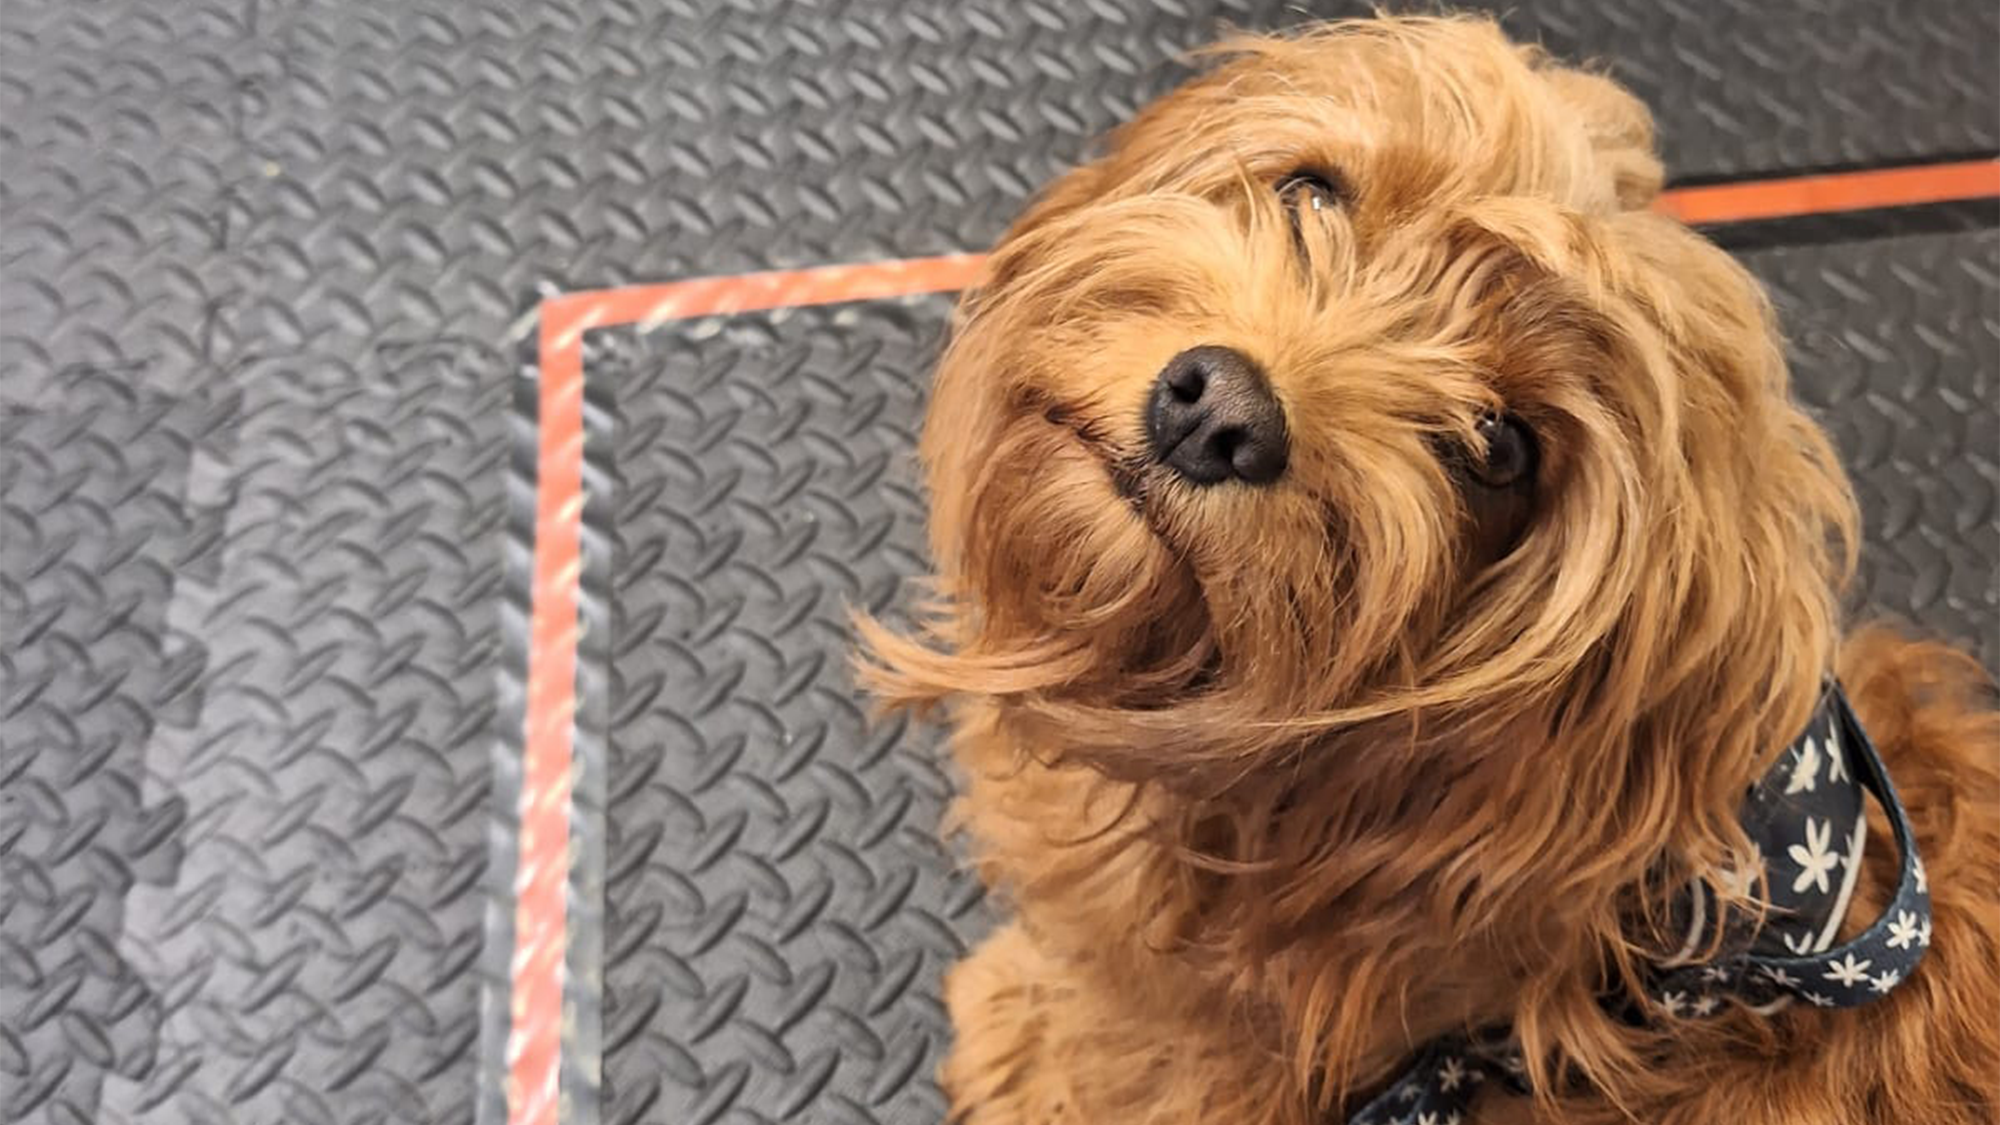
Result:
[{"x": 1213, "y": 417}]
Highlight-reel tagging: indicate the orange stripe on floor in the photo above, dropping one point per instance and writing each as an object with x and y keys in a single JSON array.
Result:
[
  {"x": 565, "y": 317},
  {"x": 1828, "y": 194},
  {"x": 541, "y": 879},
  {"x": 1787, "y": 197}
]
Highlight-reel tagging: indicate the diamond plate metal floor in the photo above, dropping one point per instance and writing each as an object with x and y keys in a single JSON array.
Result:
[
  {"x": 1896, "y": 343},
  {"x": 780, "y": 904},
  {"x": 258, "y": 262},
  {"x": 247, "y": 680},
  {"x": 801, "y": 134}
]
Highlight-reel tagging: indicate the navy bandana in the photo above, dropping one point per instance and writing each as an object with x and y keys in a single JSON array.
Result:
[{"x": 1808, "y": 821}]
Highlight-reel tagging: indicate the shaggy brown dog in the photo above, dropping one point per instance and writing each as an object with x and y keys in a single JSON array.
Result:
[{"x": 1407, "y": 704}]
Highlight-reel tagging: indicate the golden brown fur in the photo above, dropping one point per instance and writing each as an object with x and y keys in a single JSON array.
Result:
[{"x": 1281, "y": 783}]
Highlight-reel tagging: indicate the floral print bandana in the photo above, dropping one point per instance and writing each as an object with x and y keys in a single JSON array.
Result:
[{"x": 1807, "y": 821}]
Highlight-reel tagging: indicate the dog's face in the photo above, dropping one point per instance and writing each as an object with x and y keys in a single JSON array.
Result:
[{"x": 1353, "y": 419}]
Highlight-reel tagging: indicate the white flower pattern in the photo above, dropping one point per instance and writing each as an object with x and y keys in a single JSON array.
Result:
[
  {"x": 1849, "y": 972},
  {"x": 1814, "y": 860},
  {"x": 1903, "y": 931},
  {"x": 1805, "y": 775}
]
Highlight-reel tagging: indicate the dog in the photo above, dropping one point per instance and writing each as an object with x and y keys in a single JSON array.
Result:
[{"x": 1376, "y": 555}]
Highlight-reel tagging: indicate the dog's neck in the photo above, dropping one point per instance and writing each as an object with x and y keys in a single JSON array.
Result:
[
  {"x": 1806, "y": 818},
  {"x": 1808, "y": 827}
]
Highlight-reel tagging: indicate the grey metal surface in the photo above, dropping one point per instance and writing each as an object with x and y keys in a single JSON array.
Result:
[
  {"x": 278, "y": 240},
  {"x": 779, "y": 904},
  {"x": 248, "y": 675},
  {"x": 1897, "y": 343},
  {"x": 90, "y": 669},
  {"x": 857, "y": 128}
]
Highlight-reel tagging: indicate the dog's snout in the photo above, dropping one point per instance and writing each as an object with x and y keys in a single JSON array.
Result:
[{"x": 1212, "y": 417}]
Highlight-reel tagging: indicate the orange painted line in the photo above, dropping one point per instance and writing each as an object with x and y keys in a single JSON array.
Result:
[
  {"x": 574, "y": 313},
  {"x": 541, "y": 882},
  {"x": 1841, "y": 191},
  {"x": 570, "y": 315}
]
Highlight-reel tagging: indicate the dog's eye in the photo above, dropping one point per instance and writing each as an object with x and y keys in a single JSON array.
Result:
[
  {"x": 1510, "y": 454},
  {"x": 1310, "y": 191}
]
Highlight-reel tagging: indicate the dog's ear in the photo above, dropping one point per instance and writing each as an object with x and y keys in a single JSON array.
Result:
[
  {"x": 1620, "y": 130},
  {"x": 1735, "y": 615}
]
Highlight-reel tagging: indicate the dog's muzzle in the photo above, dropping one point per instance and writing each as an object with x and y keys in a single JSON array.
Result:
[{"x": 1212, "y": 418}]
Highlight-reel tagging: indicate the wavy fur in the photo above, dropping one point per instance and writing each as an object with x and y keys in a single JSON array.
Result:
[{"x": 1281, "y": 783}]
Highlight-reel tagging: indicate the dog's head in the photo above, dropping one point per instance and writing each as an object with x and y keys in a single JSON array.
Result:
[{"x": 1352, "y": 443}]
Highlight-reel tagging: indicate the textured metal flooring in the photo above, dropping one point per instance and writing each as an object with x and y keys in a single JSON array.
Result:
[
  {"x": 799, "y": 134},
  {"x": 255, "y": 263},
  {"x": 780, "y": 906},
  {"x": 1896, "y": 345}
]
